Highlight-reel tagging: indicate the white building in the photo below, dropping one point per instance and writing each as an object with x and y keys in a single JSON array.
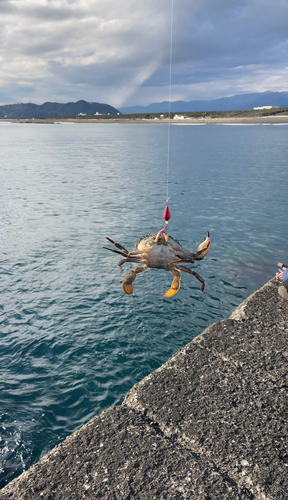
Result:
[
  {"x": 266, "y": 107},
  {"x": 180, "y": 117}
]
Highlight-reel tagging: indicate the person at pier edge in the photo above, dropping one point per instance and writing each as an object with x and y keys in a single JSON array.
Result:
[{"x": 283, "y": 290}]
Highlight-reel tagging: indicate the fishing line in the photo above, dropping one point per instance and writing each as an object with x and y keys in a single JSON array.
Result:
[
  {"x": 245, "y": 255},
  {"x": 167, "y": 214},
  {"x": 236, "y": 252},
  {"x": 169, "y": 98}
]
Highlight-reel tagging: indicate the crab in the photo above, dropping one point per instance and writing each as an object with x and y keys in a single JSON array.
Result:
[{"x": 160, "y": 252}]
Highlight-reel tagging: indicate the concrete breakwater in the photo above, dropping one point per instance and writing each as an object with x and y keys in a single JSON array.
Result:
[{"x": 209, "y": 424}]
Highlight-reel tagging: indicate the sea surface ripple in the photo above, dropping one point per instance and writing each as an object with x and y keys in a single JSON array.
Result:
[{"x": 71, "y": 342}]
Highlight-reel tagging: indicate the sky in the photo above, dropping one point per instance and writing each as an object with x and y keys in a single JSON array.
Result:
[{"x": 118, "y": 51}]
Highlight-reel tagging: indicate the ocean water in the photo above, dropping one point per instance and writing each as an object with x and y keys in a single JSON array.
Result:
[{"x": 71, "y": 342}]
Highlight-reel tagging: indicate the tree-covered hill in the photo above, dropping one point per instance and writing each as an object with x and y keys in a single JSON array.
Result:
[{"x": 55, "y": 109}]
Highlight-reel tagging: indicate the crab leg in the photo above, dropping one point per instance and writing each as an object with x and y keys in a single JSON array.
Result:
[
  {"x": 128, "y": 280},
  {"x": 130, "y": 256},
  {"x": 188, "y": 261},
  {"x": 116, "y": 251},
  {"x": 129, "y": 259},
  {"x": 189, "y": 271},
  {"x": 136, "y": 253},
  {"x": 117, "y": 245},
  {"x": 175, "y": 283}
]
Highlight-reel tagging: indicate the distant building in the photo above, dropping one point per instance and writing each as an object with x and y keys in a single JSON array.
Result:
[
  {"x": 180, "y": 117},
  {"x": 266, "y": 107}
]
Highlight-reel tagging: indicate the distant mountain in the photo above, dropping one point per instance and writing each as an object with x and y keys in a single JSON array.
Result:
[
  {"x": 236, "y": 102},
  {"x": 55, "y": 109}
]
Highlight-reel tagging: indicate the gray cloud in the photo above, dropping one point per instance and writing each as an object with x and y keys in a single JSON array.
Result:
[{"x": 118, "y": 51}]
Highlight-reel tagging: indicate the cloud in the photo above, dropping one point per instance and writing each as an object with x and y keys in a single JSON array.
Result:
[{"x": 118, "y": 51}]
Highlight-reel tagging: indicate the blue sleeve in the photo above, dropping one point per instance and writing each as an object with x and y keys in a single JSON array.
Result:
[{"x": 285, "y": 275}]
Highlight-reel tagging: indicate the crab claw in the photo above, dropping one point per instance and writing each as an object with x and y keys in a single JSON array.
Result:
[
  {"x": 204, "y": 247},
  {"x": 174, "y": 287}
]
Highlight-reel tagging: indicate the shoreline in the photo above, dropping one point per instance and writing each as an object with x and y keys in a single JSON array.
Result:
[{"x": 279, "y": 119}]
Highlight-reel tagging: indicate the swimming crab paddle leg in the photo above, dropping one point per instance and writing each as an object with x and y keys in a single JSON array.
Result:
[
  {"x": 175, "y": 283},
  {"x": 128, "y": 280},
  {"x": 189, "y": 271}
]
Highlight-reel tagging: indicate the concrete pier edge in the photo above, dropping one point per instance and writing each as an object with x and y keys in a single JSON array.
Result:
[{"x": 209, "y": 424}]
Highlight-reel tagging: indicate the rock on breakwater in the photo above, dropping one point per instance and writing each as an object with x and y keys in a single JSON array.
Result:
[{"x": 210, "y": 423}]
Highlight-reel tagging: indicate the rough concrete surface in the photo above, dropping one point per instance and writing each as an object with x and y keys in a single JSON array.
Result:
[{"x": 210, "y": 424}]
